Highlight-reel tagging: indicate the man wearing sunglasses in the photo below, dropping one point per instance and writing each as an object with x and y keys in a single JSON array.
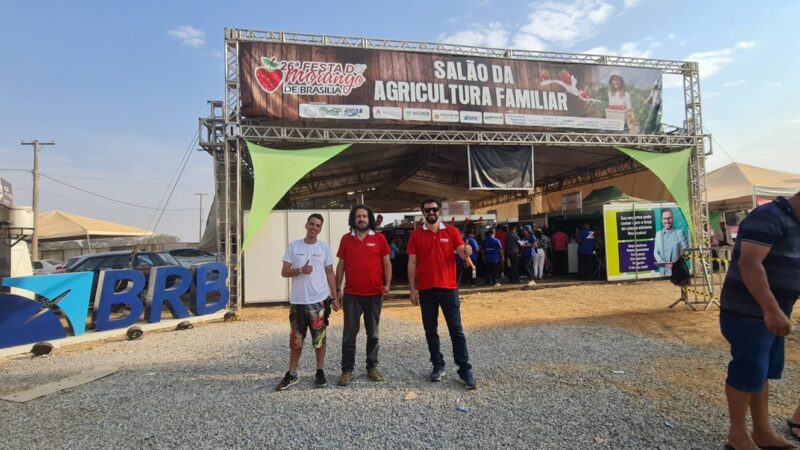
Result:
[{"x": 432, "y": 281}]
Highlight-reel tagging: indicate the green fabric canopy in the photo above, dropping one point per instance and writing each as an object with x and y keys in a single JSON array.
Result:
[
  {"x": 275, "y": 172},
  {"x": 673, "y": 170}
]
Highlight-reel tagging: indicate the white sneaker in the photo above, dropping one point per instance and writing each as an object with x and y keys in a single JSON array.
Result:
[
  {"x": 497, "y": 284},
  {"x": 531, "y": 283}
]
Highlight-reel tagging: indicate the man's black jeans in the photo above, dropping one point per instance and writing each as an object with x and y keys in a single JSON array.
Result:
[
  {"x": 353, "y": 307},
  {"x": 430, "y": 300}
]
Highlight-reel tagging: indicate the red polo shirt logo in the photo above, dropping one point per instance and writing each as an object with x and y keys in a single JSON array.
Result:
[
  {"x": 436, "y": 266},
  {"x": 363, "y": 266}
]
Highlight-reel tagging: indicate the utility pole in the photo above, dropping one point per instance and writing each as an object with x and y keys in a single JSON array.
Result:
[
  {"x": 35, "y": 238},
  {"x": 200, "y": 225}
]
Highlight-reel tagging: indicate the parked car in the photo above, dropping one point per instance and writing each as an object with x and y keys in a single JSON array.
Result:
[
  {"x": 45, "y": 266},
  {"x": 187, "y": 257},
  {"x": 144, "y": 262},
  {"x": 121, "y": 260},
  {"x": 68, "y": 263}
]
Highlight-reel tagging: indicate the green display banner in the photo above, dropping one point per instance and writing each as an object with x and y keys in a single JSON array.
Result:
[
  {"x": 672, "y": 169},
  {"x": 643, "y": 240},
  {"x": 275, "y": 172}
]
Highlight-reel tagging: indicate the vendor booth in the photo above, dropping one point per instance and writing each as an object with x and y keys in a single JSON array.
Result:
[
  {"x": 737, "y": 188},
  {"x": 322, "y": 123}
]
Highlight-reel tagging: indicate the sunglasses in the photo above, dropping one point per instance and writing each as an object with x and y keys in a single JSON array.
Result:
[{"x": 430, "y": 210}]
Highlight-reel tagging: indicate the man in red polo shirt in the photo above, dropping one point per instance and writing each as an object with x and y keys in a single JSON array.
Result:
[
  {"x": 367, "y": 270},
  {"x": 432, "y": 281}
]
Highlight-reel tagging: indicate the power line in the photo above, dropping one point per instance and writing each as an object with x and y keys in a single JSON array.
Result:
[
  {"x": 116, "y": 180},
  {"x": 186, "y": 156},
  {"x": 109, "y": 198}
]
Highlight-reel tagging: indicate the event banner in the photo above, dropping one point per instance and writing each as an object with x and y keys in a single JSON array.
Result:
[
  {"x": 642, "y": 240},
  {"x": 346, "y": 86}
]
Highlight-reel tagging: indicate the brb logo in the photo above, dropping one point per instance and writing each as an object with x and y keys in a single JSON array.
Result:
[{"x": 25, "y": 321}]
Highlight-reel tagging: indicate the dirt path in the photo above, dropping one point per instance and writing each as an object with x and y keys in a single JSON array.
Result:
[{"x": 638, "y": 307}]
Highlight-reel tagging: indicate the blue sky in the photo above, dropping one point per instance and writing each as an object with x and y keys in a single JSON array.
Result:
[{"x": 119, "y": 85}]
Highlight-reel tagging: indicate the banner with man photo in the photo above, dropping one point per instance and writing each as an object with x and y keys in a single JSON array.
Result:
[{"x": 643, "y": 240}]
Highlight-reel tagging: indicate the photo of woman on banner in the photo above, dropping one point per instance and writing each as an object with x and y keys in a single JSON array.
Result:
[
  {"x": 671, "y": 239},
  {"x": 619, "y": 99}
]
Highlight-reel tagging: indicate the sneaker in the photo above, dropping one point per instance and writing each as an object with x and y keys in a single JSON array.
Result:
[
  {"x": 288, "y": 380},
  {"x": 531, "y": 283},
  {"x": 319, "y": 379},
  {"x": 374, "y": 374},
  {"x": 497, "y": 284},
  {"x": 346, "y": 379},
  {"x": 468, "y": 379},
  {"x": 437, "y": 374}
]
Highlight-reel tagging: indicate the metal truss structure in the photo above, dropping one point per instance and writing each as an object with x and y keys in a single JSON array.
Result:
[{"x": 223, "y": 135}]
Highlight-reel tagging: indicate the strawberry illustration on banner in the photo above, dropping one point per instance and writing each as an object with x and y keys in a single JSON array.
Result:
[{"x": 269, "y": 75}]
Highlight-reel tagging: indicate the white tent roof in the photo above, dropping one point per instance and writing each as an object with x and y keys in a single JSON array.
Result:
[
  {"x": 56, "y": 225},
  {"x": 736, "y": 185}
]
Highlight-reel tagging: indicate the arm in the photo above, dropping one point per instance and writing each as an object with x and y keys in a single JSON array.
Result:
[
  {"x": 412, "y": 279},
  {"x": 288, "y": 272},
  {"x": 339, "y": 278},
  {"x": 387, "y": 273},
  {"x": 332, "y": 286},
  {"x": 659, "y": 258},
  {"x": 464, "y": 252},
  {"x": 751, "y": 266}
]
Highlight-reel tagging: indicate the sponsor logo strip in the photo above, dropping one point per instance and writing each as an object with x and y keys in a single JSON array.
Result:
[
  {"x": 339, "y": 112},
  {"x": 471, "y": 117},
  {"x": 387, "y": 113},
  {"x": 418, "y": 114},
  {"x": 445, "y": 115}
]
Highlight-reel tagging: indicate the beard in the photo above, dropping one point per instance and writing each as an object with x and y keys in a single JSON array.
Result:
[
  {"x": 362, "y": 227},
  {"x": 431, "y": 218}
]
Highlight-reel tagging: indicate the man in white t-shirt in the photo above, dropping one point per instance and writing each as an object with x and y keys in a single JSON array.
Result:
[{"x": 309, "y": 264}]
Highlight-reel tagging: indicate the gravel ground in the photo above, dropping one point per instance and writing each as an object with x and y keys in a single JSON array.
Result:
[{"x": 550, "y": 386}]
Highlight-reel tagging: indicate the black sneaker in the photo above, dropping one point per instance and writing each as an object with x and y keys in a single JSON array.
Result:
[
  {"x": 468, "y": 379},
  {"x": 319, "y": 379},
  {"x": 288, "y": 380},
  {"x": 437, "y": 374}
]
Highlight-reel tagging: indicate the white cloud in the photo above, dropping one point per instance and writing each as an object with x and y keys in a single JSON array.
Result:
[
  {"x": 549, "y": 22},
  {"x": 671, "y": 36},
  {"x": 631, "y": 3},
  {"x": 528, "y": 42},
  {"x": 631, "y": 49},
  {"x": 744, "y": 45},
  {"x": 189, "y": 35},
  {"x": 566, "y": 23},
  {"x": 711, "y": 94},
  {"x": 493, "y": 35},
  {"x": 602, "y": 50},
  {"x": 628, "y": 49},
  {"x": 711, "y": 62},
  {"x": 738, "y": 82}
]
